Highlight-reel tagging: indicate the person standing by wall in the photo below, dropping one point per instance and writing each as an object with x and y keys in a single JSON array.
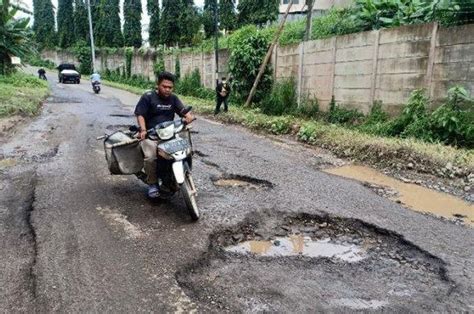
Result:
[{"x": 222, "y": 95}]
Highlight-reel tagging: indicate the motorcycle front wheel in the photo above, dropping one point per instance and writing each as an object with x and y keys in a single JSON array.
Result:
[{"x": 188, "y": 194}]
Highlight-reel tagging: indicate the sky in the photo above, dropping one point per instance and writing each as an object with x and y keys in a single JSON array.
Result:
[{"x": 145, "y": 18}]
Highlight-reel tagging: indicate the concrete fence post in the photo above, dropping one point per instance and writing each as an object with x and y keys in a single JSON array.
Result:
[
  {"x": 375, "y": 59},
  {"x": 333, "y": 74},
  {"x": 300, "y": 71},
  {"x": 431, "y": 60},
  {"x": 203, "y": 70}
]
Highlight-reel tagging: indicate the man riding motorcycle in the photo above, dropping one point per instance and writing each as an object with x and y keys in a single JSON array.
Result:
[{"x": 153, "y": 108}]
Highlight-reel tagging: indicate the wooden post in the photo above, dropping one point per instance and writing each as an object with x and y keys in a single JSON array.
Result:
[
  {"x": 267, "y": 57},
  {"x": 431, "y": 59},
  {"x": 375, "y": 58}
]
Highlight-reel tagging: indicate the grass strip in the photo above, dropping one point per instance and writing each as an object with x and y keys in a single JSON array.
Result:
[{"x": 21, "y": 94}]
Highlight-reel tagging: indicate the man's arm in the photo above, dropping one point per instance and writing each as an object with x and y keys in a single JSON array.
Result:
[
  {"x": 179, "y": 107},
  {"x": 142, "y": 125}
]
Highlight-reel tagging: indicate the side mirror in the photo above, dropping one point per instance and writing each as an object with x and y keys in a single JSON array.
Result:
[{"x": 134, "y": 128}]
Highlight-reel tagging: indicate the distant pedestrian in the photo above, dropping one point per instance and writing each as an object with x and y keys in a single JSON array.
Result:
[
  {"x": 222, "y": 95},
  {"x": 42, "y": 74}
]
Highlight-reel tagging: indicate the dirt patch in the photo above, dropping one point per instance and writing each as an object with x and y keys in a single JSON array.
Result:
[
  {"x": 377, "y": 270},
  {"x": 8, "y": 125},
  {"x": 233, "y": 180}
]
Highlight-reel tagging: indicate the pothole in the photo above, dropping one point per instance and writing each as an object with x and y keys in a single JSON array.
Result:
[
  {"x": 279, "y": 262},
  {"x": 122, "y": 115},
  {"x": 233, "y": 180},
  {"x": 62, "y": 100}
]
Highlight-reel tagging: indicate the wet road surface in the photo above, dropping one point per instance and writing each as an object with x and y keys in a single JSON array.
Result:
[{"x": 74, "y": 238}]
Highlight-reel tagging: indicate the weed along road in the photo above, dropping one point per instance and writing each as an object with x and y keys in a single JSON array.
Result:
[{"x": 276, "y": 232}]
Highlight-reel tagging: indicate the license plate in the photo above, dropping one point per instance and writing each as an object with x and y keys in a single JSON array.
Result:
[{"x": 174, "y": 146}]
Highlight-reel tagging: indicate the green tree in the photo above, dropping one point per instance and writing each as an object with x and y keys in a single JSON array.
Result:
[
  {"x": 107, "y": 29},
  {"x": 189, "y": 21},
  {"x": 227, "y": 16},
  {"x": 179, "y": 22},
  {"x": 15, "y": 36},
  {"x": 257, "y": 12},
  {"x": 208, "y": 17},
  {"x": 43, "y": 25},
  {"x": 132, "y": 27},
  {"x": 169, "y": 22},
  {"x": 153, "y": 8},
  {"x": 81, "y": 22},
  {"x": 65, "y": 24}
]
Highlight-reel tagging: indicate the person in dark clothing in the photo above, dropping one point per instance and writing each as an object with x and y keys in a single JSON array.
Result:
[
  {"x": 42, "y": 74},
  {"x": 222, "y": 95},
  {"x": 153, "y": 108}
]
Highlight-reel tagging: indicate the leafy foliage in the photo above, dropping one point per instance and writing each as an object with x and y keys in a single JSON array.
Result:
[
  {"x": 283, "y": 98},
  {"x": 208, "y": 19},
  {"x": 44, "y": 25},
  {"x": 191, "y": 85},
  {"x": 257, "y": 12},
  {"x": 340, "y": 115},
  {"x": 153, "y": 8},
  {"x": 83, "y": 53},
  {"x": 227, "y": 15},
  {"x": 15, "y": 37},
  {"x": 65, "y": 25},
  {"x": 81, "y": 22},
  {"x": 248, "y": 48},
  {"x": 132, "y": 27},
  {"x": 179, "y": 22},
  {"x": 109, "y": 33}
]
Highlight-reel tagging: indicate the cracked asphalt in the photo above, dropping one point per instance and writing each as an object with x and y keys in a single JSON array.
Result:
[{"x": 75, "y": 239}]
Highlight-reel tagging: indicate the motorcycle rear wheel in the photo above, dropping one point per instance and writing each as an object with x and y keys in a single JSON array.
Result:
[{"x": 188, "y": 195}]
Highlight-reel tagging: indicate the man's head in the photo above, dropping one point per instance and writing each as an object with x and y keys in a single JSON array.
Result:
[
  {"x": 224, "y": 79},
  {"x": 165, "y": 84}
]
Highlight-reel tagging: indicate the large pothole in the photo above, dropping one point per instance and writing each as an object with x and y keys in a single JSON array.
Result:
[{"x": 304, "y": 263}]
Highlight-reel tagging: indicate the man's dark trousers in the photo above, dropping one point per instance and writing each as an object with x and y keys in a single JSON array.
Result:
[{"x": 221, "y": 100}]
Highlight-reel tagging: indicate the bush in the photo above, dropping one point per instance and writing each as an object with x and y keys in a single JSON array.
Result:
[
  {"x": 191, "y": 85},
  {"x": 36, "y": 61},
  {"x": 283, "y": 98},
  {"x": 339, "y": 115},
  {"x": 247, "y": 50},
  {"x": 335, "y": 22}
]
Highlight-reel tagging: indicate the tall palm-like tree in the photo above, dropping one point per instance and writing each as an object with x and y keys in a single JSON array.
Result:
[{"x": 15, "y": 36}]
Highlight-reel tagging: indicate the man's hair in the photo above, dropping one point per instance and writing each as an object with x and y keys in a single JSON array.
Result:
[
  {"x": 224, "y": 78},
  {"x": 165, "y": 76}
]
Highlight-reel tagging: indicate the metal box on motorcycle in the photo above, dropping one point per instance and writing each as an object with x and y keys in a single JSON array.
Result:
[{"x": 123, "y": 154}]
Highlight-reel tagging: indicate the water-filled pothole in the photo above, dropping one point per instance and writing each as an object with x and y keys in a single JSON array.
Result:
[
  {"x": 232, "y": 180},
  {"x": 294, "y": 245},
  {"x": 278, "y": 262},
  {"x": 413, "y": 196}
]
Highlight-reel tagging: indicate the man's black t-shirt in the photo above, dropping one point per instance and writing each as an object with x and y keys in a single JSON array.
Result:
[{"x": 156, "y": 109}]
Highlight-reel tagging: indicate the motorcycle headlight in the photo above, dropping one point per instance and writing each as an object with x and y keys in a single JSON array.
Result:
[{"x": 165, "y": 133}]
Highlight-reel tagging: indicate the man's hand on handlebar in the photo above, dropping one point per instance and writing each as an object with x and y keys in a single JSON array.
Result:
[
  {"x": 189, "y": 117},
  {"x": 142, "y": 134}
]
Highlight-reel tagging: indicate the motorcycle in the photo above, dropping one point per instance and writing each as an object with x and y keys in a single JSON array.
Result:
[
  {"x": 174, "y": 151},
  {"x": 96, "y": 87}
]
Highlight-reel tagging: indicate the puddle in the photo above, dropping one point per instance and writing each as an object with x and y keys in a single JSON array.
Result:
[
  {"x": 240, "y": 181},
  {"x": 8, "y": 162},
  {"x": 234, "y": 183},
  {"x": 301, "y": 245},
  {"x": 413, "y": 196}
]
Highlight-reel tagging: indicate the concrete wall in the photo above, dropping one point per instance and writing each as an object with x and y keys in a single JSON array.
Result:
[
  {"x": 385, "y": 65},
  {"x": 142, "y": 63},
  {"x": 356, "y": 69}
]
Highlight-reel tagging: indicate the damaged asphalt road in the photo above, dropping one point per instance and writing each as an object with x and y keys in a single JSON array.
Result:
[{"x": 74, "y": 238}]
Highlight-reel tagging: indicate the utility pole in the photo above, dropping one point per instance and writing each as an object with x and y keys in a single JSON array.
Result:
[
  {"x": 91, "y": 34},
  {"x": 216, "y": 44}
]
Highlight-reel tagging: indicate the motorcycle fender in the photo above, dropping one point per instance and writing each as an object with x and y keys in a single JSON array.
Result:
[{"x": 178, "y": 171}]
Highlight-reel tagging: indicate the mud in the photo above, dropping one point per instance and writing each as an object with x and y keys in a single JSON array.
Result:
[
  {"x": 411, "y": 195},
  {"x": 234, "y": 180},
  {"x": 385, "y": 272}
]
